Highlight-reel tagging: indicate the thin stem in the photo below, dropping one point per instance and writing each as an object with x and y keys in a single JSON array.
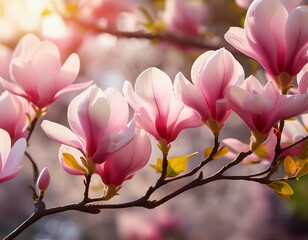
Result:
[
  {"x": 35, "y": 175},
  {"x": 87, "y": 182},
  {"x": 203, "y": 163}
]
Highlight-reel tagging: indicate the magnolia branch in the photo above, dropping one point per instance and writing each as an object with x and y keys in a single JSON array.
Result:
[
  {"x": 86, "y": 204},
  {"x": 159, "y": 36}
]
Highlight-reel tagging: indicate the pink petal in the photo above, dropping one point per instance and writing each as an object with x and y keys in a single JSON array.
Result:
[
  {"x": 296, "y": 37},
  {"x": 237, "y": 38},
  {"x": 191, "y": 96},
  {"x": 61, "y": 134},
  {"x": 73, "y": 88},
  {"x": 15, "y": 156},
  {"x": 119, "y": 112},
  {"x": 198, "y": 64},
  {"x": 13, "y": 88},
  {"x": 154, "y": 86},
  {"x": 5, "y": 146}
]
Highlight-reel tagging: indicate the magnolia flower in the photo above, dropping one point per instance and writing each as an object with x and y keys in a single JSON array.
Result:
[
  {"x": 37, "y": 73},
  {"x": 122, "y": 165},
  {"x": 10, "y": 158},
  {"x": 99, "y": 124},
  {"x": 181, "y": 16},
  {"x": 211, "y": 74},
  {"x": 261, "y": 108},
  {"x": 14, "y": 115},
  {"x": 157, "y": 109},
  {"x": 292, "y": 132},
  {"x": 275, "y": 34}
]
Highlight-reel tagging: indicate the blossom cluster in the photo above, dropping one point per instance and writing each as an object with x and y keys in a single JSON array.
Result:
[{"x": 101, "y": 139}]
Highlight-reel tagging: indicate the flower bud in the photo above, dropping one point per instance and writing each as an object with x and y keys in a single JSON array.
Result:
[{"x": 43, "y": 180}]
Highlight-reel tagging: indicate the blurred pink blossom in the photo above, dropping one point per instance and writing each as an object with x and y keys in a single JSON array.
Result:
[
  {"x": 211, "y": 74},
  {"x": 10, "y": 158},
  {"x": 104, "y": 12},
  {"x": 43, "y": 180},
  {"x": 122, "y": 165},
  {"x": 98, "y": 120},
  {"x": 157, "y": 109},
  {"x": 262, "y": 107},
  {"x": 275, "y": 34},
  {"x": 37, "y": 73},
  {"x": 155, "y": 225},
  {"x": 15, "y": 115},
  {"x": 182, "y": 16}
]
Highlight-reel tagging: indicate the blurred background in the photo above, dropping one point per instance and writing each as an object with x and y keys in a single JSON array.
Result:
[{"x": 114, "y": 40}]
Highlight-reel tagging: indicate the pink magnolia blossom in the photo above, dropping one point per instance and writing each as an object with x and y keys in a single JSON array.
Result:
[
  {"x": 211, "y": 74},
  {"x": 43, "y": 180},
  {"x": 122, "y": 165},
  {"x": 262, "y": 107},
  {"x": 182, "y": 16},
  {"x": 10, "y": 158},
  {"x": 37, "y": 73},
  {"x": 14, "y": 115},
  {"x": 292, "y": 132},
  {"x": 302, "y": 80},
  {"x": 157, "y": 109},
  {"x": 275, "y": 34},
  {"x": 98, "y": 120}
]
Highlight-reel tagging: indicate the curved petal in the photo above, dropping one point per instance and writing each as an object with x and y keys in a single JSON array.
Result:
[
  {"x": 198, "y": 64},
  {"x": 155, "y": 87},
  {"x": 15, "y": 156},
  {"x": 237, "y": 38},
  {"x": 71, "y": 65},
  {"x": 61, "y": 134},
  {"x": 13, "y": 88},
  {"x": 5, "y": 147},
  {"x": 296, "y": 37},
  {"x": 119, "y": 112},
  {"x": 191, "y": 96},
  {"x": 73, "y": 88}
]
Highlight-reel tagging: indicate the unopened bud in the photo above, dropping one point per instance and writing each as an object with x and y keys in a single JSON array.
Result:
[{"x": 43, "y": 180}]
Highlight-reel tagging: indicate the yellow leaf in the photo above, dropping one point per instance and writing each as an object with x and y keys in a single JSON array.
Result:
[
  {"x": 282, "y": 189},
  {"x": 261, "y": 151},
  {"x": 158, "y": 167},
  {"x": 289, "y": 166},
  {"x": 71, "y": 162},
  {"x": 221, "y": 152},
  {"x": 175, "y": 166},
  {"x": 207, "y": 152},
  {"x": 302, "y": 168}
]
